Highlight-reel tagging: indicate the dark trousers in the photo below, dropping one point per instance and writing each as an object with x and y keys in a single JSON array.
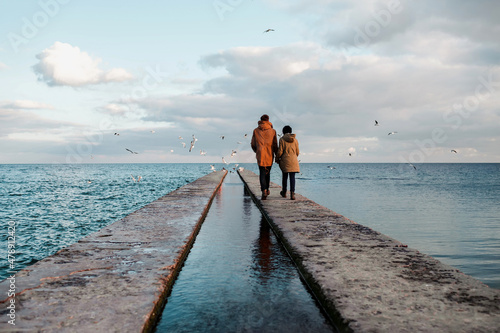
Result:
[
  {"x": 292, "y": 181},
  {"x": 264, "y": 177}
]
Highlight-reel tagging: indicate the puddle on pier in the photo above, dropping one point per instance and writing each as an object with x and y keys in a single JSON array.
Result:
[{"x": 237, "y": 278}]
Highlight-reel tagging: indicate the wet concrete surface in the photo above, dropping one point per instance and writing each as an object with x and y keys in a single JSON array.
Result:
[
  {"x": 114, "y": 280},
  {"x": 238, "y": 278},
  {"x": 370, "y": 282}
]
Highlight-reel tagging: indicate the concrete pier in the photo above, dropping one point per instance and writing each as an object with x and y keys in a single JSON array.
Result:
[
  {"x": 369, "y": 282},
  {"x": 114, "y": 280}
]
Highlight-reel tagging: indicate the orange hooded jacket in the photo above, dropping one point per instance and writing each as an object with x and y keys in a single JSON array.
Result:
[{"x": 264, "y": 143}]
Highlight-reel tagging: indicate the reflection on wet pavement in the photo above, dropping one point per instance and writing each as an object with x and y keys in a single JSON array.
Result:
[{"x": 237, "y": 278}]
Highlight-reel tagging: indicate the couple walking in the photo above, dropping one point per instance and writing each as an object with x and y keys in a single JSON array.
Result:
[{"x": 265, "y": 146}]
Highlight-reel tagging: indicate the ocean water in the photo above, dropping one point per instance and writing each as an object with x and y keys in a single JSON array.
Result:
[{"x": 449, "y": 211}]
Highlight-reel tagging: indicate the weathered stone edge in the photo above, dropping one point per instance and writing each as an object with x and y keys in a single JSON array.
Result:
[
  {"x": 450, "y": 296},
  {"x": 165, "y": 282},
  {"x": 326, "y": 305}
]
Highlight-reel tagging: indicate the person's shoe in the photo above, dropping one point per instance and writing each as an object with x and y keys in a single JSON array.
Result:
[
  {"x": 283, "y": 194},
  {"x": 292, "y": 196},
  {"x": 264, "y": 195}
]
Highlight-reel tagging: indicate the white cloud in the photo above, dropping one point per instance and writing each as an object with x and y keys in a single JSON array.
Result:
[
  {"x": 65, "y": 65},
  {"x": 24, "y": 104},
  {"x": 2, "y": 66}
]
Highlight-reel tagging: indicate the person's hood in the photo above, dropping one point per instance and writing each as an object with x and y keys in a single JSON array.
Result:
[
  {"x": 265, "y": 125},
  {"x": 289, "y": 137}
]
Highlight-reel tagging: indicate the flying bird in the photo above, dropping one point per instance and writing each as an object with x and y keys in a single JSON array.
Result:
[
  {"x": 331, "y": 167},
  {"x": 414, "y": 167},
  {"x": 350, "y": 154},
  {"x": 268, "y": 30},
  {"x": 223, "y": 160},
  {"x": 376, "y": 123},
  {"x": 152, "y": 131},
  {"x": 454, "y": 151},
  {"x": 392, "y": 133},
  {"x": 192, "y": 143},
  {"x": 183, "y": 144},
  {"x": 117, "y": 133},
  {"x": 203, "y": 153},
  {"x": 212, "y": 167},
  {"x": 233, "y": 152},
  {"x": 132, "y": 152},
  {"x": 245, "y": 135},
  {"x": 180, "y": 137},
  {"x": 222, "y": 137}
]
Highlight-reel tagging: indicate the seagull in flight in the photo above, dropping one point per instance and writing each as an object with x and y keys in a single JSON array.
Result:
[
  {"x": 203, "y": 153},
  {"x": 152, "y": 131},
  {"x": 376, "y": 123},
  {"x": 392, "y": 133},
  {"x": 212, "y": 167},
  {"x": 414, "y": 167},
  {"x": 183, "y": 144},
  {"x": 117, "y": 133},
  {"x": 233, "y": 153},
  {"x": 268, "y": 30},
  {"x": 192, "y": 143},
  {"x": 132, "y": 152},
  {"x": 331, "y": 167},
  {"x": 222, "y": 137},
  {"x": 180, "y": 137},
  {"x": 350, "y": 154},
  {"x": 454, "y": 151},
  {"x": 223, "y": 160}
]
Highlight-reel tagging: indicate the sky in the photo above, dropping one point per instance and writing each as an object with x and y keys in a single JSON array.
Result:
[{"x": 82, "y": 81}]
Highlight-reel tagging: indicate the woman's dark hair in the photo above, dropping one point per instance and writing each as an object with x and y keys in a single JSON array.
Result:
[
  {"x": 287, "y": 129},
  {"x": 264, "y": 117}
]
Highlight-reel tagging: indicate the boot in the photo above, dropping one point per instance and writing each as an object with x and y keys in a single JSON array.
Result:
[
  {"x": 283, "y": 194},
  {"x": 292, "y": 195},
  {"x": 264, "y": 195}
]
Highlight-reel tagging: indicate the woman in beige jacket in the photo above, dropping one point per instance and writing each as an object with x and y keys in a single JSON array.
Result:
[{"x": 286, "y": 157}]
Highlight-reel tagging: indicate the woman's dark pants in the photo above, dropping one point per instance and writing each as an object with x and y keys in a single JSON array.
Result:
[{"x": 292, "y": 181}]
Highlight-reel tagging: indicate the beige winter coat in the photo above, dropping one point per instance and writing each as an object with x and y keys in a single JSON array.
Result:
[
  {"x": 287, "y": 153},
  {"x": 264, "y": 143}
]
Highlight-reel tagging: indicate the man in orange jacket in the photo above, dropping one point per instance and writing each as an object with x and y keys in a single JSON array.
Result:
[{"x": 265, "y": 146}]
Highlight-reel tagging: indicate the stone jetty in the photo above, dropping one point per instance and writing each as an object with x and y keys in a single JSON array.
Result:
[
  {"x": 369, "y": 282},
  {"x": 116, "y": 279}
]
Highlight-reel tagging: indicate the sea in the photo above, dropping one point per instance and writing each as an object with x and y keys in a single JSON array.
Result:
[{"x": 449, "y": 211}]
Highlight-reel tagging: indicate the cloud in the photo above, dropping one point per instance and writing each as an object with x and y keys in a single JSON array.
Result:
[
  {"x": 331, "y": 97},
  {"x": 2, "y": 66},
  {"x": 468, "y": 30},
  {"x": 65, "y": 65},
  {"x": 24, "y": 104}
]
